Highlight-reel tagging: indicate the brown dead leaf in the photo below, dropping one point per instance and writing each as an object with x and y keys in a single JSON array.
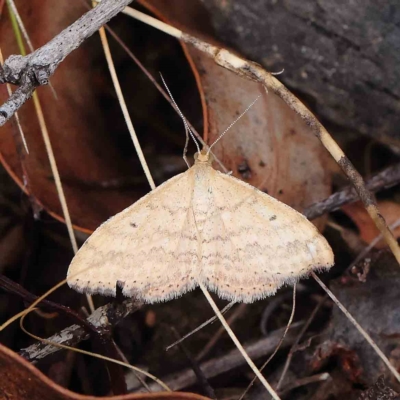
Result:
[
  {"x": 367, "y": 228},
  {"x": 99, "y": 169},
  {"x": 20, "y": 380},
  {"x": 269, "y": 148}
]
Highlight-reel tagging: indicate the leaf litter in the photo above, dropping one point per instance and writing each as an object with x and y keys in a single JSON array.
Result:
[{"x": 149, "y": 338}]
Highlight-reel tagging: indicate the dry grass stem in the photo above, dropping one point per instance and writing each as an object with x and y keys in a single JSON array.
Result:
[
  {"x": 124, "y": 108},
  {"x": 238, "y": 344}
]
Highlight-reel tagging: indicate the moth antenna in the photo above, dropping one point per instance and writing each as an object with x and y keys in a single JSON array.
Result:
[
  {"x": 187, "y": 128},
  {"x": 233, "y": 123},
  {"x": 186, "y": 146}
]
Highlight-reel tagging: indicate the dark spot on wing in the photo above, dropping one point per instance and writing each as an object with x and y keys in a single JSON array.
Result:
[
  {"x": 244, "y": 169},
  {"x": 273, "y": 218}
]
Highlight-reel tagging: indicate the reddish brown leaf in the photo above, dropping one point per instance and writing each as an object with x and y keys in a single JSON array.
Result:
[
  {"x": 21, "y": 380},
  {"x": 269, "y": 148},
  {"x": 99, "y": 170},
  {"x": 367, "y": 228}
]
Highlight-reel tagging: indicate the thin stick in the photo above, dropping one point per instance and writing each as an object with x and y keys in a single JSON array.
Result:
[
  {"x": 237, "y": 343},
  {"x": 32, "y": 306},
  {"x": 39, "y": 299},
  {"x": 54, "y": 170},
  {"x": 278, "y": 346},
  {"x": 124, "y": 108},
  {"x": 382, "y": 180},
  {"x": 211, "y": 343},
  {"x": 89, "y": 353},
  {"x": 297, "y": 340},
  {"x": 209, "y": 321},
  {"x": 255, "y": 72},
  {"x": 36, "y": 68},
  {"x": 358, "y": 326}
]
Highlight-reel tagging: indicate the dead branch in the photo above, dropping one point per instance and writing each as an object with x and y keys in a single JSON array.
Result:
[
  {"x": 104, "y": 317},
  {"x": 35, "y": 69},
  {"x": 383, "y": 180}
]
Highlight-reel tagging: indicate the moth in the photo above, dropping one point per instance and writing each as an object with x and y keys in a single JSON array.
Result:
[{"x": 200, "y": 226}]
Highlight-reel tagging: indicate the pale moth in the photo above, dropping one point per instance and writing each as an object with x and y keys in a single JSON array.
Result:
[{"x": 201, "y": 226}]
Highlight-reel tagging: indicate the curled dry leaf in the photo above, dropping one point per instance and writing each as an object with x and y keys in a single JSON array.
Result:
[
  {"x": 368, "y": 230},
  {"x": 269, "y": 148},
  {"x": 21, "y": 380}
]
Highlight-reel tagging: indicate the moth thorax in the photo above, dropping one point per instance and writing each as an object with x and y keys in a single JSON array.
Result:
[{"x": 203, "y": 157}]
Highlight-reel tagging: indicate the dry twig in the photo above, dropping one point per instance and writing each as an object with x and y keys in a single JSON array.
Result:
[
  {"x": 382, "y": 180},
  {"x": 35, "y": 69},
  {"x": 104, "y": 317}
]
